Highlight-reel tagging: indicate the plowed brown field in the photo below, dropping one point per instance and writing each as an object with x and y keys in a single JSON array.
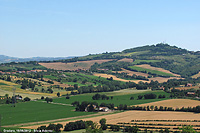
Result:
[
  {"x": 72, "y": 66},
  {"x": 115, "y": 78},
  {"x": 126, "y": 60}
]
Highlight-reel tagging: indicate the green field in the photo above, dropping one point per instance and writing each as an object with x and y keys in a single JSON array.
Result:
[
  {"x": 117, "y": 99},
  {"x": 34, "y": 112},
  {"x": 140, "y": 69},
  {"x": 72, "y": 83},
  {"x": 50, "y": 77}
]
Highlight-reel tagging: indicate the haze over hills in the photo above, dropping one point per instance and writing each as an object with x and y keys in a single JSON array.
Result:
[{"x": 7, "y": 59}]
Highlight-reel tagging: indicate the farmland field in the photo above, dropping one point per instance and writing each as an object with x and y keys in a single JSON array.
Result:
[
  {"x": 7, "y": 88},
  {"x": 162, "y": 79},
  {"x": 118, "y": 98},
  {"x": 126, "y": 60},
  {"x": 127, "y": 116},
  {"x": 132, "y": 72},
  {"x": 146, "y": 66},
  {"x": 35, "y": 111},
  {"x": 148, "y": 119},
  {"x": 72, "y": 66},
  {"x": 174, "y": 103},
  {"x": 149, "y": 69},
  {"x": 115, "y": 78}
]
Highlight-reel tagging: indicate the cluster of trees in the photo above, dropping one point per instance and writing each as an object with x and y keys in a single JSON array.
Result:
[
  {"x": 90, "y": 126},
  {"x": 148, "y": 96},
  {"x": 158, "y": 49},
  {"x": 37, "y": 75},
  {"x": 101, "y": 97},
  {"x": 160, "y": 108},
  {"x": 129, "y": 129},
  {"x": 53, "y": 127},
  {"x": 47, "y": 99},
  {"x": 26, "y": 84},
  {"x": 189, "y": 109},
  {"x": 77, "y": 125},
  {"x": 13, "y": 99},
  {"x": 90, "y": 106},
  {"x": 50, "y": 81},
  {"x": 105, "y": 87},
  {"x": 176, "y": 93}
]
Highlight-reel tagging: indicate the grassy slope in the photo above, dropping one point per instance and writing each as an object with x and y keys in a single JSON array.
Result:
[
  {"x": 35, "y": 111},
  {"x": 117, "y": 100}
]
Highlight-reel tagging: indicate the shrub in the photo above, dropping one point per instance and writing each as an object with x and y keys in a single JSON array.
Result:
[{"x": 27, "y": 99}]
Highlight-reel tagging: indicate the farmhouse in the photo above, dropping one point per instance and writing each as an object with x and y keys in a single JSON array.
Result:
[
  {"x": 191, "y": 93},
  {"x": 104, "y": 109},
  {"x": 189, "y": 85}
]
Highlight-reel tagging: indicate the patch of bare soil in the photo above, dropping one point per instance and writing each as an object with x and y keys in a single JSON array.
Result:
[
  {"x": 126, "y": 60},
  {"x": 116, "y": 78},
  {"x": 84, "y": 65},
  {"x": 162, "y": 79}
]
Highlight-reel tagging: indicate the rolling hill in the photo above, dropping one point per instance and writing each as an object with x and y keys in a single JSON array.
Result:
[{"x": 176, "y": 60}]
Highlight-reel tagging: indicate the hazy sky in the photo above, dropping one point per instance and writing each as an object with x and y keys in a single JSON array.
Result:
[{"x": 54, "y": 28}]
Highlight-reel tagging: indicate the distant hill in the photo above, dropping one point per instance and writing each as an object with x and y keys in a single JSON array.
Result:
[
  {"x": 177, "y": 60},
  {"x": 7, "y": 59}
]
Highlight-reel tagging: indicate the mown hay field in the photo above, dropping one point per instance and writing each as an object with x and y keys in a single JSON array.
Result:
[
  {"x": 85, "y": 65},
  {"x": 174, "y": 103}
]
